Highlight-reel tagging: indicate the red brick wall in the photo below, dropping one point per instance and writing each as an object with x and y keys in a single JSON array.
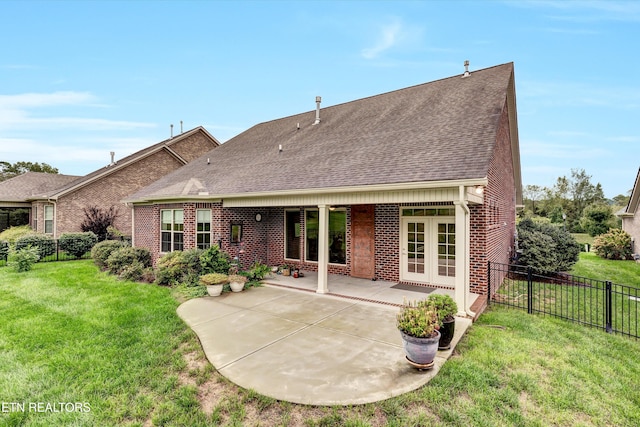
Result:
[
  {"x": 111, "y": 189},
  {"x": 493, "y": 224}
]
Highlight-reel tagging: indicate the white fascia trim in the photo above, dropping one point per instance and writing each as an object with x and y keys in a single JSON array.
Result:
[{"x": 327, "y": 190}]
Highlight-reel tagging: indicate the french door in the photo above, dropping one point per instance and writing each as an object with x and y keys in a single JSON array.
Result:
[{"x": 427, "y": 250}]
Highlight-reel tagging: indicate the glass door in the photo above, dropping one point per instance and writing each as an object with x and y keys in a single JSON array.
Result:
[{"x": 414, "y": 250}]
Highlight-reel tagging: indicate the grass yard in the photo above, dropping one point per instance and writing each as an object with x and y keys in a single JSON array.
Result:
[
  {"x": 70, "y": 333},
  {"x": 618, "y": 272}
]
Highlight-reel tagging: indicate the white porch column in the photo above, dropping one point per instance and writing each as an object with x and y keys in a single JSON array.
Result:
[
  {"x": 461, "y": 292},
  {"x": 323, "y": 249}
]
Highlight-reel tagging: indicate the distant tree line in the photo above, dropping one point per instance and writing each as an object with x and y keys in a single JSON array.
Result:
[
  {"x": 9, "y": 170},
  {"x": 574, "y": 203}
]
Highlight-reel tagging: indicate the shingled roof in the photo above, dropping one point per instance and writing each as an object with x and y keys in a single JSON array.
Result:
[
  {"x": 438, "y": 131},
  {"x": 32, "y": 185}
]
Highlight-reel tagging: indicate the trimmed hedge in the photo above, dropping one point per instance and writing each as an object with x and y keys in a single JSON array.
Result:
[
  {"x": 124, "y": 258},
  {"x": 101, "y": 251},
  {"x": 77, "y": 244},
  {"x": 45, "y": 244}
]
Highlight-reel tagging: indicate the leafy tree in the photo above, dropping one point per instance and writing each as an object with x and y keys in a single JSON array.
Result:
[
  {"x": 532, "y": 194},
  {"x": 8, "y": 170},
  {"x": 99, "y": 220},
  {"x": 597, "y": 219}
]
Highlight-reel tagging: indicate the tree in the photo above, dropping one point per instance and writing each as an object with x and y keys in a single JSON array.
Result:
[
  {"x": 545, "y": 247},
  {"x": 597, "y": 219},
  {"x": 99, "y": 220},
  {"x": 8, "y": 170},
  {"x": 533, "y": 193}
]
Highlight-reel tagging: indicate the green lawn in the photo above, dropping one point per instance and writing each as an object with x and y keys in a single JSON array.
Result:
[
  {"x": 619, "y": 272},
  {"x": 70, "y": 333}
]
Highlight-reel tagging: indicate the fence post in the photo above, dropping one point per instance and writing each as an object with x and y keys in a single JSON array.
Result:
[
  {"x": 529, "y": 290},
  {"x": 607, "y": 307},
  {"x": 488, "y": 283},
  {"x": 57, "y": 250}
]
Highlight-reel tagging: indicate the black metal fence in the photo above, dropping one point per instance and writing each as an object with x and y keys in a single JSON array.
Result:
[{"x": 596, "y": 303}]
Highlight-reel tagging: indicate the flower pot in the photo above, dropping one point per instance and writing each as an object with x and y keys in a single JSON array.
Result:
[
  {"x": 214, "y": 290},
  {"x": 446, "y": 334},
  {"x": 286, "y": 272},
  {"x": 421, "y": 351},
  {"x": 236, "y": 286}
]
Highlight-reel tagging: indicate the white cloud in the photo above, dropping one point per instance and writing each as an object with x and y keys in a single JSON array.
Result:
[
  {"x": 390, "y": 36},
  {"x": 561, "y": 151}
]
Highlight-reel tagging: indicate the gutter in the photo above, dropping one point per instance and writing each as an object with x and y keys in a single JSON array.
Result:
[{"x": 467, "y": 255}]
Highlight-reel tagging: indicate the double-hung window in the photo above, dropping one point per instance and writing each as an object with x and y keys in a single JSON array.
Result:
[
  {"x": 48, "y": 219},
  {"x": 203, "y": 230},
  {"x": 172, "y": 230},
  {"x": 337, "y": 235}
]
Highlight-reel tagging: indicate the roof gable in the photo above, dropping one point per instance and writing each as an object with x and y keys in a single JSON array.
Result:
[
  {"x": 439, "y": 131},
  {"x": 127, "y": 161}
]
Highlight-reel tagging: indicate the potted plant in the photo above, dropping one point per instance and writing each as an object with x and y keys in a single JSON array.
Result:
[
  {"x": 447, "y": 309},
  {"x": 214, "y": 283},
  {"x": 418, "y": 324},
  {"x": 236, "y": 281}
]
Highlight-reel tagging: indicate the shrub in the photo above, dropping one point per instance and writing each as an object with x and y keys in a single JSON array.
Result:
[
  {"x": 45, "y": 244},
  {"x": 179, "y": 267},
  {"x": 616, "y": 244},
  {"x": 257, "y": 272},
  {"x": 24, "y": 258},
  {"x": 597, "y": 219},
  {"x": 125, "y": 257},
  {"x": 132, "y": 272},
  {"x": 101, "y": 251},
  {"x": 418, "y": 319},
  {"x": 214, "y": 279},
  {"x": 99, "y": 220},
  {"x": 545, "y": 247},
  {"x": 77, "y": 244},
  {"x": 445, "y": 306},
  {"x": 11, "y": 234},
  {"x": 4, "y": 250},
  {"x": 214, "y": 260}
]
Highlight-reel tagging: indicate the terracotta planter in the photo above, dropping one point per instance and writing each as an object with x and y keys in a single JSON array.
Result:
[
  {"x": 214, "y": 290},
  {"x": 446, "y": 334},
  {"x": 421, "y": 351}
]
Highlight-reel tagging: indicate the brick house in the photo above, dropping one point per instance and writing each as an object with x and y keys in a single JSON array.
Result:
[
  {"x": 631, "y": 216},
  {"x": 56, "y": 203},
  {"x": 418, "y": 185}
]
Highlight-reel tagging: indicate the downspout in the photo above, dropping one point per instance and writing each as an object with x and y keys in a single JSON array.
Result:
[{"x": 467, "y": 254}]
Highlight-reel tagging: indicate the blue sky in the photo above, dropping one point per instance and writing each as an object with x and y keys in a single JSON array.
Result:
[{"x": 79, "y": 79}]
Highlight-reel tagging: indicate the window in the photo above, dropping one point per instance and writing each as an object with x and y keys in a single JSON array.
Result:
[
  {"x": 447, "y": 249},
  {"x": 337, "y": 233},
  {"x": 236, "y": 232},
  {"x": 172, "y": 230},
  {"x": 203, "y": 229},
  {"x": 292, "y": 234},
  {"x": 48, "y": 219}
]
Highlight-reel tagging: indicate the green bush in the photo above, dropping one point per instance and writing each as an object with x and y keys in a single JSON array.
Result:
[
  {"x": 132, "y": 272},
  {"x": 214, "y": 260},
  {"x": 546, "y": 248},
  {"x": 179, "y": 267},
  {"x": 24, "y": 258},
  {"x": 11, "y": 234},
  {"x": 616, "y": 244},
  {"x": 597, "y": 219},
  {"x": 101, "y": 251},
  {"x": 214, "y": 279},
  {"x": 126, "y": 257},
  {"x": 77, "y": 244},
  {"x": 45, "y": 244},
  {"x": 4, "y": 250},
  {"x": 257, "y": 272}
]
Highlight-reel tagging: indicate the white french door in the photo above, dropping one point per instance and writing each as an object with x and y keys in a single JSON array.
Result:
[{"x": 427, "y": 250}]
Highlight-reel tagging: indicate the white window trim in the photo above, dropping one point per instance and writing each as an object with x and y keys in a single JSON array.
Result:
[
  {"x": 172, "y": 230},
  {"x": 284, "y": 246}
]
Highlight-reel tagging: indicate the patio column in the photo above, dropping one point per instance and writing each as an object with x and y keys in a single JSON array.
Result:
[
  {"x": 323, "y": 249},
  {"x": 461, "y": 291}
]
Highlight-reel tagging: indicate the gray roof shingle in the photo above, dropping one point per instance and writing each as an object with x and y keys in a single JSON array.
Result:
[
  {"x": 442, "y": 130},
  {"x": 32, "y": 185}
]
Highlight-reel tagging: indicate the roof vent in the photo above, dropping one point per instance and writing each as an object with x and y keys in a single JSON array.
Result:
[
  {"x": 318, "y": 101},
  {"x": 466, "y": 69},
  {"x": 113, "y": 154},
  {"x": 171, "y": 130}
]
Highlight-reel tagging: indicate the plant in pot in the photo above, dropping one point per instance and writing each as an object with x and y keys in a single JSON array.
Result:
[
  {"x": 418, "y": 324},
  {"x": 214, "y": 283},
  {"x": 237, "y": 281},
  {"x": 446, "y": 308}
]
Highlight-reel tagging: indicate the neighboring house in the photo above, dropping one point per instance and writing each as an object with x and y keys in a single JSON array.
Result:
[
  {"x": 418, "y": 185},
  {"x": 15, "y": 193},
  {"x": 58, "y": 207},
  {"x": 631, "y": 216}
]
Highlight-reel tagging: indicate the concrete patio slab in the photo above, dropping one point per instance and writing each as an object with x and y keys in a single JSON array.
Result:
[{"x": 306, "y": 348}]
